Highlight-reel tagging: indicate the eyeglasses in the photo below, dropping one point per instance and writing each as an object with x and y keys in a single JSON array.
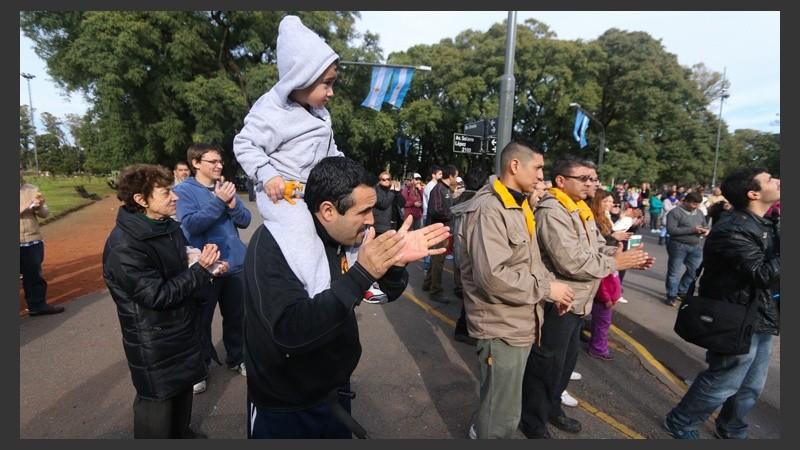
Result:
[
  {"x": 582, "y": 178},
  {"x": 214, "y": 162},
  {"x": 385, "y": 179}
]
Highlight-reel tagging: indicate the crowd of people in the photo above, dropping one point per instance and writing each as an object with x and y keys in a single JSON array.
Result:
[{"x": 534, "y": 261}]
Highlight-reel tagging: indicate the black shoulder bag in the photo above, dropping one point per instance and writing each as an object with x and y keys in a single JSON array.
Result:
[{"x": 717, "y": 325}]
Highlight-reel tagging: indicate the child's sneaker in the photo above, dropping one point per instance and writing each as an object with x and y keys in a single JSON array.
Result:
[{"x": 375, "y": 296}]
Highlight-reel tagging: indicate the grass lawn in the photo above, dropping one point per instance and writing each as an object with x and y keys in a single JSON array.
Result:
[{"x": 60, "y": 193}]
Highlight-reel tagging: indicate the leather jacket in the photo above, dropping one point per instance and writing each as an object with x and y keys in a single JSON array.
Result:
[{"x": 742, "y": 263}]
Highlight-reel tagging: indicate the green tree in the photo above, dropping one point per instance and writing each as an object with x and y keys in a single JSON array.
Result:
[
  {"x": 26, "y": 138},
  {"x": 160, "y": 80}
]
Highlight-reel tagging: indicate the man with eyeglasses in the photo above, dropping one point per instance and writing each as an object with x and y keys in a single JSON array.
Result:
[
  {"x": 575, "y": 252},
  {"x": 210, "y": 211}
]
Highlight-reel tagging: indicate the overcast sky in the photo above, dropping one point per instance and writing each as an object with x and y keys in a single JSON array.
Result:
[{"x": 746, "y": 45}]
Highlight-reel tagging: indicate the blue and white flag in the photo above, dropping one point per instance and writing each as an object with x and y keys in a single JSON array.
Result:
[
  {"x": 402, "y": 145},
  {"x": 579, "y": 131},
  {"x": 381, "y": 76},
  {"x": 401, "y": 80}
]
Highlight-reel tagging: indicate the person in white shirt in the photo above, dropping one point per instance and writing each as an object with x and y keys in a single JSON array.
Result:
[{"x": 436, "y": 175}]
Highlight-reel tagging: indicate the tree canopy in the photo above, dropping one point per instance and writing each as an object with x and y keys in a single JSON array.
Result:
[{"x": 161, "y": 80}]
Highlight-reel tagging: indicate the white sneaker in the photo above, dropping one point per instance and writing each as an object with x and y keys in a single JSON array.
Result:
[
  {"x": 568, "y": 400},
  {"x": 375, "y": 296},
  {"x": 622, "y": 300},
  {"x": 575, "y": 376},
  {"x": 200, "y": 387},
  {"x": 472, "y": 433},
  {"x": 240, "y": 368}
]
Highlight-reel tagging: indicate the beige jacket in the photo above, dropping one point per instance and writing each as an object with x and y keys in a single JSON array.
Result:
[
  {"x": 28, "y": 220},
  {"x": 576, "y": 255},
  {"x": 502, "y": 273}
]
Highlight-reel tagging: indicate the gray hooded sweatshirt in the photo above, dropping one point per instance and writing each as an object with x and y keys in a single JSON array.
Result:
[{"x": 281, "y": 137}]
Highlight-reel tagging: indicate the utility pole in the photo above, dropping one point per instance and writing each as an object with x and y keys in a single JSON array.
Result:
[
  {"x": 723, "y": 95},
  {"x": 28, "y": 77},
  {"x": 506, "y": 115}
]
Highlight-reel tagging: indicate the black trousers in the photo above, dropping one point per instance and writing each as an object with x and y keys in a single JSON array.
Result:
[
  {"x": 228, "y": 292},
  {"x": 165, "y": 419},
  {"x": 548, "y": 370},
  {"x": 33, "y": 283}
]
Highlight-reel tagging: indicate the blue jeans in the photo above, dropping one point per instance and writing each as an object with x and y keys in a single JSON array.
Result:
[
  {"x": 733, "y": 381},
  {"x": 681, "y": 254}
]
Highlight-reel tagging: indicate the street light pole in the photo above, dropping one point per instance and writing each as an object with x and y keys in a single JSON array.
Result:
[
  {"x": 723, "y": 95},
  {"x": 505, "y": 118},
  {"x": 28, "y": 77},
  {"x": 602, "y": 147}
]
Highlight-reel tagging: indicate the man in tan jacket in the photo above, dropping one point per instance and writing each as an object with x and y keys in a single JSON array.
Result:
[
  {"x": 504, "y": 283},
  {"x": 573, "y": 249},
  {"x": 31, "y": 249}
]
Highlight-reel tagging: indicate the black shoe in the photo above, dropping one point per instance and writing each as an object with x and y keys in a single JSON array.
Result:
[
  {"x": 465, "y": 338},
  {"x": 46, "y": 310},
  {"x": 565, "y": 423},
  {"x": 197, "y": 435},
  {"x": 672, "y": 301},
  {"x": 439, "y": 298},
  {"x": 545, "y": 435}
]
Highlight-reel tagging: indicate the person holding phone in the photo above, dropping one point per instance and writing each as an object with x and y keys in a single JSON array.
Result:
[{"x": 686, "y": 226}]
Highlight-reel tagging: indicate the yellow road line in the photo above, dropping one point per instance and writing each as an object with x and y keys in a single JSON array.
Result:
[{"x": 627, "y": 432}]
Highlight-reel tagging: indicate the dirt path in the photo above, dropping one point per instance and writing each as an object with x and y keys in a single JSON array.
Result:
[{"x": 73, "y": 250}]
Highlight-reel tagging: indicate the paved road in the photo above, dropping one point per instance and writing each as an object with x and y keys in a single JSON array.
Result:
[{"x": 414, "y": 381}]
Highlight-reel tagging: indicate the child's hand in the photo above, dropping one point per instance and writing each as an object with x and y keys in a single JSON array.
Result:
[{"x": 275, "y": 188}]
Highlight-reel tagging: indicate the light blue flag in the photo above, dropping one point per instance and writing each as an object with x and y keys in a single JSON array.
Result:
[
  {"x": 381, "y": 76},
  {"x": 579, "y": 131},
  {"x": 401, "y": 81}
]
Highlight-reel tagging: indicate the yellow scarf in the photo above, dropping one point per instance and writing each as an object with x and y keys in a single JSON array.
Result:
[
  {"x": 510, "y": 202},
  {"x": 585, "y": 212}
]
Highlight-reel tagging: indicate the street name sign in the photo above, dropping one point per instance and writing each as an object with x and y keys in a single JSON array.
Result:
[
  {"x": 465, "y": 143},
  {"x": 474, "y": 128}
]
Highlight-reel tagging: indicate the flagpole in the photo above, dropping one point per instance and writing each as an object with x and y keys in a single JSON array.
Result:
[{"x": 398, "y": 66}]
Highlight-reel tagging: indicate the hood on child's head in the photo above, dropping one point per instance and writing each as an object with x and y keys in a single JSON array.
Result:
[{"x": 302, "y": 56}]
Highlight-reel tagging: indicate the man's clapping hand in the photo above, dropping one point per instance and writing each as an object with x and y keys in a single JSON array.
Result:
[{"x": 419, "y": 242}]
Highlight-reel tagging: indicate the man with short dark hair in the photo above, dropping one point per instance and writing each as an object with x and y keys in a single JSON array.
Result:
[
  {"x": 576, "y": 253},
  {"x": 210, "y": 210},
  {"x": 301, "y": 350},
  {"x": 686, "y": 226},
  {"x": 181, "y": 172},
  {"x": 505, "y": 284},
  {"x": 742, "y": 264},
  {"x": 439, "y": 204}
]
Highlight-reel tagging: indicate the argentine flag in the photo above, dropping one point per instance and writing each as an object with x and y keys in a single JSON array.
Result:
[
  {"x": 401, "y": 80},
  {"x": 581, "y": 123},
  {"x": 381, "y": 76}
]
